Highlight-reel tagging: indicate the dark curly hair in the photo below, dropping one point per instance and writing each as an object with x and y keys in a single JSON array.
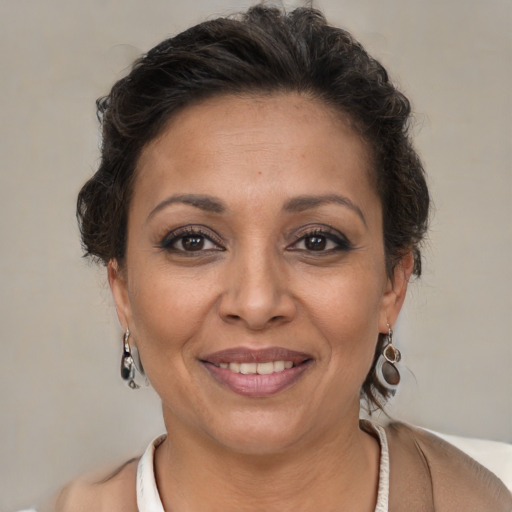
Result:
[{"x": 262, "y": 51}]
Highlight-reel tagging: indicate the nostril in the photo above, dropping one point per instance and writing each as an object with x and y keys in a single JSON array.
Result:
[{"x": 256, "y": 310}]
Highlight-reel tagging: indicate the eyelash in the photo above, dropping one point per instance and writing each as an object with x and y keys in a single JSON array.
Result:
[
  {"x": 340, "y": 241},
  {"x": 205, "y": 236},
  {"x": 171, "y": 239}
]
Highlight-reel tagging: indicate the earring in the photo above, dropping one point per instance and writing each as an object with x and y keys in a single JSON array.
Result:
[
  {"x": 127, "y": 363},
  {"x": 387, "y": 373}
]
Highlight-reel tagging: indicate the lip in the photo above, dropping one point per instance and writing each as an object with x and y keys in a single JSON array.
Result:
[
  {"x": 254, "y": 385},
  {"x": 247, "y": 355}
]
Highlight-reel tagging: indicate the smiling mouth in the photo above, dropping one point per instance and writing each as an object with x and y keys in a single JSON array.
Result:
[
  {"x": 257, "y": 373},
  {"x": 265, "y": 368}
]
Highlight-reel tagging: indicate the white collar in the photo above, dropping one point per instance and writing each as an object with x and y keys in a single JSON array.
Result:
[{"x": 148, "y": 499}]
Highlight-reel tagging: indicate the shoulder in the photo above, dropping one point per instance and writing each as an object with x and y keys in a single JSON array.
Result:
[
  {"x": 447, "y": 478},
  {"x": 113, "y": 491}
]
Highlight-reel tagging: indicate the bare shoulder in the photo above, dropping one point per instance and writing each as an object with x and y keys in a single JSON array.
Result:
[{"x": 113, "y": 491}]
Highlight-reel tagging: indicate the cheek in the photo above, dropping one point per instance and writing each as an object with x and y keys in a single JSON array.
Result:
[
  {"x": 162, "y": 326},
  {"x": 347, "y": 312},
  {"x": 168, "y": 308}
]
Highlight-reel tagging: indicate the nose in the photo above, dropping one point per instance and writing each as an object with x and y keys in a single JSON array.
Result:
[{"x": 257, "y": 293}]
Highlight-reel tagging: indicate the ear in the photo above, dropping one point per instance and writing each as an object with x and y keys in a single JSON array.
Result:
[
  {"x": 119, "y": 288},
  {"x": 396, "y": 289}
]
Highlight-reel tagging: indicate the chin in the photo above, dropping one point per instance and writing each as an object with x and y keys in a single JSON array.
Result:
[{"x": 268, "y": 434}]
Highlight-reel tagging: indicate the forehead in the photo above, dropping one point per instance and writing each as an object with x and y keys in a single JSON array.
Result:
[{"x": 260, "y": 146}]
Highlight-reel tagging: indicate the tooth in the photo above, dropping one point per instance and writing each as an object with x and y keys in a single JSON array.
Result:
[
  {"x": 278, "y": 366},
  {"x": 288, "y": 364},
  {"x": 223, "y": 365},
  {"x": 234, "y": 367},
  {"x": 265, "y": 368},
  {"x": 248, "y": 368}
]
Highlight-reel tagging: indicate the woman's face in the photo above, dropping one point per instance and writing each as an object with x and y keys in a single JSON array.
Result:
[{"x": 255, "y": 244}]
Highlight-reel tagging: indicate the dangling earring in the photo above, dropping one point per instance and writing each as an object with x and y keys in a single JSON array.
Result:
[
  {"x": 387, "y": 373},
  {"x": 127, "y": 363}
]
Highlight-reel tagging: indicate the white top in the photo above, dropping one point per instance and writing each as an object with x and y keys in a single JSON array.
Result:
[{"x": 148, "y": 499}]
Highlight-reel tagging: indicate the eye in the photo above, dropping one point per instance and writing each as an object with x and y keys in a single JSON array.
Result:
[
  {"x": 321, "y": 240},
  {"x": 193, "y": 243},
  {"x": 318, "y": 243},
  {"x": 190, "y": 239}
]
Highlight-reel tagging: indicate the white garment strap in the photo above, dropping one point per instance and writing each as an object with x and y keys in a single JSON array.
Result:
[
  {"x": 148, "y": 499},
  {"x": 383, "y": 492}
]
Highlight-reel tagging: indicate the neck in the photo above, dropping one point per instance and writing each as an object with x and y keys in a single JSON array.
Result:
[{"x": 194, "y": 473}]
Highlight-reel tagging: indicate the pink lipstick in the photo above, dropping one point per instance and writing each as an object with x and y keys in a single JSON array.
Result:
[{"x": 257, "y": 373}]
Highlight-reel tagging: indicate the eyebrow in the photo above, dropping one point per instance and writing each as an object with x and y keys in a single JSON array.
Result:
[
  {"x": 205, "y": 203},
  {"x": 302, "y": 203},
  {"x": 295, "y": 205}
]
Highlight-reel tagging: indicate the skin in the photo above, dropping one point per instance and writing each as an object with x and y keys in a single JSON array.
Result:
[{"x": 259, "y": 281}]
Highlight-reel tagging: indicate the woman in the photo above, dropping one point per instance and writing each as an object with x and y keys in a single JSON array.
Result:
[{"x": 260, "y": 209}]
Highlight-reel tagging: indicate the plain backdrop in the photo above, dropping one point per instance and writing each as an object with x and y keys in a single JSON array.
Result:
[{"x": 63, "y": 407}]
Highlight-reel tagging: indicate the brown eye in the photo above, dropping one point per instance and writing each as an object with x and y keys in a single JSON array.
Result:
[
  {"x": 315, "y": 243},
  {"x": 192, "y": 243},
  {"x": 190, "y": 240},
  {"x": 323, "y": 242}
]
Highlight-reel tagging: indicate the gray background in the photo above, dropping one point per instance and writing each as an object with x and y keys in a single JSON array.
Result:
[{"x": 63, "y": 408}]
